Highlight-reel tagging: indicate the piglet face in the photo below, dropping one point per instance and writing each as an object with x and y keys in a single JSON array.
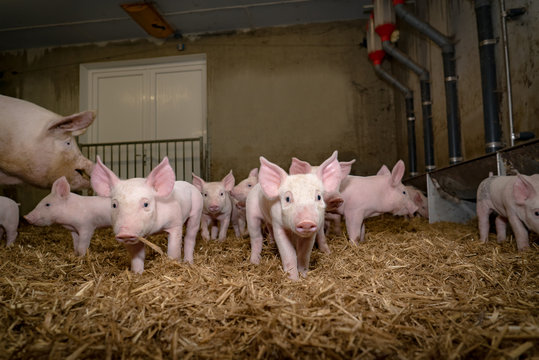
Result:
[
  {"x": 133, "y": 201},
  {"x": 240, "y": 191},
  {"x": 215, "y": 194},
  {"x": 302, "y": 204},
  {"x": 133, "y": 210},
  {"x": 52, "y": 206},
  {"x": 399, "y": 198}
]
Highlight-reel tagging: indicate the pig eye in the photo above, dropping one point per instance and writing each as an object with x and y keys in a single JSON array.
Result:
[
  {"x": 318, "y": 197},
  {"x": 47, "y": 205},
  {"x": 222, "y": 194},
  {"x": 206, "y": 194},
  {"x": 146, "y": 204},
  {"x": 404, "y": 192},
  {"x": 114, "y": 205},
  {"x": 249, "y": 185},
  {"x": 536, "y": 213}
]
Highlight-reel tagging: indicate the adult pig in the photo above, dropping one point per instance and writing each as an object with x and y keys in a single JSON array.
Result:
[
  {"x": 38, "y": 146},
  {"x": 239, "y": 197},
  {"x": 9, "y": 219},
  {"x": 145, "y": 206},
  {"x": 81, "y": 215},
  {"x": 366, "y": 196},
  {"x": 333, "y": 200},
  {"x": 293, "y": 206},
  {"x": 217, "y": 206},
  {"x": 514, "y": 199}
]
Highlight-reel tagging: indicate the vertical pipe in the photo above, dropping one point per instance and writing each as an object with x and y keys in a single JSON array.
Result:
[
  {"x": 426, "y": 104},
  {"x": 428, "y": 137},
  {"x": 487, "y": 60},
  {"x": 410, "y": 117},
  {"x": 507, "y": 72},
  {"x": 448, "y": 55}
]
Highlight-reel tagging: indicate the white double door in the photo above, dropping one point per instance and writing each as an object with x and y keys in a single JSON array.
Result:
[{"x": 146, "y": 100}]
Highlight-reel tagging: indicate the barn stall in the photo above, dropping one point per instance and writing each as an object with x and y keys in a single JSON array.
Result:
[{"x": 412, "y": 290}]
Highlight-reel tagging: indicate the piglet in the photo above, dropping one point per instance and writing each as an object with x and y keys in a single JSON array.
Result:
[
  {"x": 217, "y": 207},
  {"x": 9, "y": 219},
  {"x": 420, "y": 200},
  {"x": 514, "y": 199},
  {"x": 293, "y": 206},
  {"x": 81, "y": 215},
  {"x": 239, "y": 197},
  {"x": 145, "y": 206},
  {"x": 333, "y": 200},
  {"x": 367, "y": 196}
]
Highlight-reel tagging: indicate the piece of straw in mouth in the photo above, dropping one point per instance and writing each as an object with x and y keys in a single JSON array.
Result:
[{"x": 151, "y": 244}]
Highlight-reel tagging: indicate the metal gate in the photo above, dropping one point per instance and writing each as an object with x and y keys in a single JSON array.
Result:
[{"x": 138, "y": 158}]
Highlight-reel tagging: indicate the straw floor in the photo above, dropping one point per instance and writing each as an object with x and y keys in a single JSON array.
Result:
[{"x": 411, "y": 291}]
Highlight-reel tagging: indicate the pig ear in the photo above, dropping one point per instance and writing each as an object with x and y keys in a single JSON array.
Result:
[
  {"x": 522, "y": 190},
  {"x": 198, "y": 182},
  {"x": 270, "y": 178},
  {"x": 229, "y": 181},
  {"x": 61, "y": 187},
  {"x": 102, "y": 179},
  {"x": 299, "y": 167},
  {"x": 417, "y": 198},
  {"x": 346, "y": 167},
  {"x": 162, "y": 178},
  {"x": 76, "y": 124},
  {"x": 330, "y": 173},
  {"x": 397, "y": 173},
  {"x": 384, "y": 170},
  {"x": 254, "y": 173}
]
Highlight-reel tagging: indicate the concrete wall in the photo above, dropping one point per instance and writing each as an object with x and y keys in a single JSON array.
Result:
[
  {"x": 456, "y": 19},
  {"x": 299, "y": 91}
]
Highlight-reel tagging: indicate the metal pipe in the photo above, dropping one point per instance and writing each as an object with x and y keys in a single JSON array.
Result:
[
  {"x": 426, "y": 103},
  {"x": 410, "y": 116},
  {"x": 489, "y": 84},
  {"x": 448, "y": 55},
  {"x": 507, "y": 72}
]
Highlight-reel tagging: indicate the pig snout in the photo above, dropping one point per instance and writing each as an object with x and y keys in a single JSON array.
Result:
[
  {"x": 214, "y": 209},
  {"x": 306, "y": 227},
  {"x": 126, "y": 238}
]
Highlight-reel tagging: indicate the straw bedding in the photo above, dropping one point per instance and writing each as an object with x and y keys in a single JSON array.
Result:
[{"x": 411, "y": 290}]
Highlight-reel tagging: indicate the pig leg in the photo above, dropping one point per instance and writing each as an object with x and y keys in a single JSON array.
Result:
[
  {"x": 214, "y": 230},
  {"x": 287, "y": 252},
  {"x": 84, "y": 238},
  {"x": 355, "y": 226},
  {"x": 223, "y": 228},
  {"x": 242, "y": 226},
  {"x": 501, "y": 228},
  {"x": 483, "y": 212},
  {"x": 304, "y": 247},
  {"x": 174, "y": 248},
  {"x": 521, "y": 234},
  {"x": 75, "y": 237},
  {"x": 11, "y": 234},
  {"x": 136, "y": 253},
  {"x": 254, "y": 225},
  {"x": 321, "y": 240},
  {"x": 190, "y": 237},
  {"x": 204, "y": 224},
  {"x": 236, "y": 227}
]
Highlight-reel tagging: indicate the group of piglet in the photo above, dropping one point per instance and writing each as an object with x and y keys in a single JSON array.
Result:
[
  {"x": 290, "y": 208},
  {"x": 293, "y": 209}
]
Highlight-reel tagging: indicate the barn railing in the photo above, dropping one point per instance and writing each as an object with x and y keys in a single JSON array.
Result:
[{"x": 138, "y": 158}]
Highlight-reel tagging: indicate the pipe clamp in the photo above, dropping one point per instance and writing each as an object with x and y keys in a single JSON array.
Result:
[
  {"x": 494, "y": 145},
  {"x": 488, "y": 42},
  {"x": 430, "y": 167},
  {"x": 411, "y": 118},
  {"x": 454, "y": 160},
  {"x": 425, "y": 103},
  {"x": 451, "y": 78}
]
